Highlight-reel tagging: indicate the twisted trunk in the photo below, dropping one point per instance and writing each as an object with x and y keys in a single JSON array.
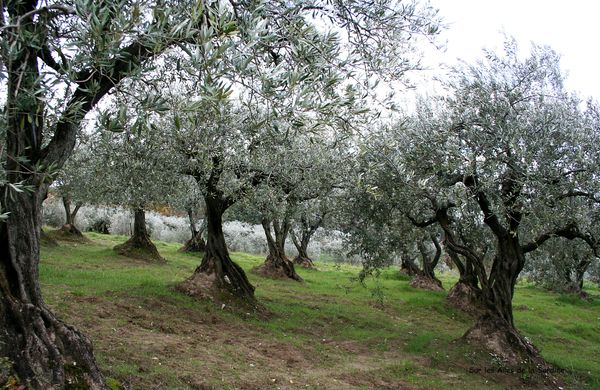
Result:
[
  {"x": 425, "y": 278},
  {"x": 196, "y": 243},
  {"x": 45, "y": 352},
  {"x": 307, "y": 230},
  {"x": 580, "y": 271},
  {"x": 573, "y": 282},
  {"x": 277, "y": 265},
  {"x": 495, "y": 328},
  {"x": 408, "y": 266},
  {"x": 139, "y": 246},
  {"x": 69, "y": 231},
  {"x": 302, "y": 259},
  {"x": 70, "y": 215},
  {"x": 218, "y": 277},
  {"x": 465, "y": 294}
]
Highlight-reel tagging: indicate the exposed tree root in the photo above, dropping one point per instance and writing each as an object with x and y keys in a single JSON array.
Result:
[
  {"x": 426, "y": 283},
  {"x": 510, "y": 350},
  {"x": 208, "y": 286},
  {"x": 304, "y": 262},
  {"x": 466, "y": 298},
  {"x": 140, "y": 248},
  {"x": 68, "y": 233},
  {"x": 50, "y": 354},
  {"x": 277, "y": 268},
  {"x": 194, "y": 244}
]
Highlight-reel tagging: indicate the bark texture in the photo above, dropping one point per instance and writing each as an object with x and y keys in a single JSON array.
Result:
[
  {"x": 45, "y": 352},
  {"x": 139, "y": 246}
]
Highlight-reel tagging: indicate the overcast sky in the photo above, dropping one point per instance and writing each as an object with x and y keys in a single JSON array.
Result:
[{"x": 570, "y": 28}]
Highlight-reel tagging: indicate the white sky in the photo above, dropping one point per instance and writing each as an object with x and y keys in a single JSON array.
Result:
[{"x": 570, "y": 28}]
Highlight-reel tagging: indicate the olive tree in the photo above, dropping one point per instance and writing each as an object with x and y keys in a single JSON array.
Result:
[
  {"x": 310, "y": 168},
  {"x": 509, "y": 143},
  {"x": 561, "y": 265},
  {"x": 73, "y": 184},
  {"x": 139, "y": 176},
  {"x": 59, "y": 60},
  {"x": 188, "y": 198},
  {"x": 313, "y": 63},
  {"x": 378, "y": 215}
]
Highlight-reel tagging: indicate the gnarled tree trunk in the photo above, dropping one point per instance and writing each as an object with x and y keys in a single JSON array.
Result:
[
  {"x": 277, "y": 265},
  {"x": 425, "y": 278},
  {"x": 218, "y": 277},
  {"x": 495, "y": 328},
  {"x": 307, "y": 230},
  {"x": 580, "y": 271},
  {"x": 408, "y": 266},
  {"x": 139, "y": 246},
  {"x": 45, "y": 352},
  {"x": 465, "y": 294},
  {"x": 302, "y": 259},
  {"x": 70, "y": 215},
  {"x": 70, "y": 232},
  {"x": 196, "y": 243},
  {"x": 573, "y": 283}
]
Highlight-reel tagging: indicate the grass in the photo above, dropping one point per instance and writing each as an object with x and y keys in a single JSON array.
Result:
[{"x": 326, "y": 333}]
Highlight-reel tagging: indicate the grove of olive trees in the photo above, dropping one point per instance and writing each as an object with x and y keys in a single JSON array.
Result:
[{"x": 272, "y": 112}]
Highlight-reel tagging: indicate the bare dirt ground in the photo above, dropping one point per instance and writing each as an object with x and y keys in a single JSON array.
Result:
[{"x": 151, "y": 343}]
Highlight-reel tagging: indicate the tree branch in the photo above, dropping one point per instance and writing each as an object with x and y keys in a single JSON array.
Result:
[{"x": 570, "y": 231}]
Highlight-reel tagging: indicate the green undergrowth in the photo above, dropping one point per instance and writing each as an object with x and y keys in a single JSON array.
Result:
[{"x": 331, "y": 329}]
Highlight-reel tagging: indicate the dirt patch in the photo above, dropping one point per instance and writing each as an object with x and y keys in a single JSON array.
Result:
[
  {"x": 172, "y": 342},
  {"x": 371, "y": 379},
  {"x": 207, "y": 287},
  {"x": 426, "y": 283},
  {"x": 156, "y": 343},
  {"x": 146, "y": 252},
  {"x": 304, "y": 262},
  {"x": 281, "y": 268},
  {"x": 68, "y": 233},
  {"x": 465, "y": 298}
]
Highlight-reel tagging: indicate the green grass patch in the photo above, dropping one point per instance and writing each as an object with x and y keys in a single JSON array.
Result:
[{"x": 328, "y": 332}]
